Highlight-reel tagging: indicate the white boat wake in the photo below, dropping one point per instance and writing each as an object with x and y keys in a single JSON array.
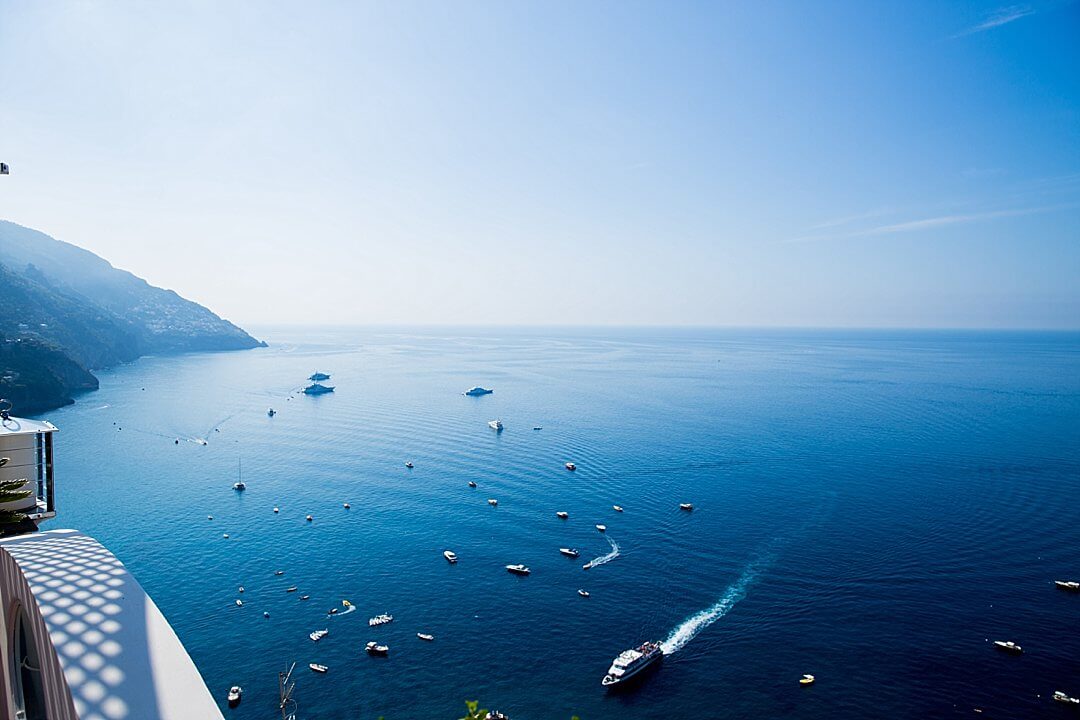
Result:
[
  {"x": 689, "y": 628},
  {"x": 352, "y": 608},
  {"x": 604, "y": 559}
]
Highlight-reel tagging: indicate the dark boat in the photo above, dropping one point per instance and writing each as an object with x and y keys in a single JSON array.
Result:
[
  {"x": 318, "y": 389},
  {"x": 318, "y": 377}
]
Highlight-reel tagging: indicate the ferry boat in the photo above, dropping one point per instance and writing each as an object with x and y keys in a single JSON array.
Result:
[
  {"x": 450, "y": 555},
  {"x": 380, "y": 620},
  {"x": 318, "y": 668},
  {"x": 319, "y": 634},
  {"x": 1070, "y": 585},
  {"x": 495, "y": 425},
  {"x": 373, "y": 648},
  {"x": 631, "y": 663},
  {"x": 569, "y": 552},
  {"x": 1009, "y": 646},
  {"x": 477, "y": 391},
  {"x": 518, "y": 569},
  {"x": 318, "y": 389}
]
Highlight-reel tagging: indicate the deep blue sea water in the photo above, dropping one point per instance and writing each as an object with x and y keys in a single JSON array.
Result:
[{"x": 870, "y": 507}]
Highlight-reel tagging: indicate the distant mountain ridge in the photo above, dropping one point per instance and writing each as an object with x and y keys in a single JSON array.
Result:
[{"x": 65, "y": 311}]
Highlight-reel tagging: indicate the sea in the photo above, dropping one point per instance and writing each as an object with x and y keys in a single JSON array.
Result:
[{"x": 871, "y": 507}]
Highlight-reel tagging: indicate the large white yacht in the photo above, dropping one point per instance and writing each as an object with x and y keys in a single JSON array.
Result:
[{"x": 632, "y": 662}]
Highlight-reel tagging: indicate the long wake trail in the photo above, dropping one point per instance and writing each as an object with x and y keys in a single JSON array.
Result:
[
  {"x": 689, "y": 628},
  {"x": 605, "y": 559}
]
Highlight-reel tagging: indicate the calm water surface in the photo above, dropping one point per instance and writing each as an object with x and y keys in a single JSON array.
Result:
[{"x": 869, "y": 507}]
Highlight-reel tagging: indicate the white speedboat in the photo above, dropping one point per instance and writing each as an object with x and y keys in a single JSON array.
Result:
[
  {"x": 571, "y": 466},
  {"x": 472, "y": 483},
  {"x": 291, "y": 588},
  {"x": 318, "y": 635},
  {"x": 318, "y": 668},
  {"x": 602, "y": 528},
  {"x": 374, "y": 648},
  {"x": 807, "y": 679},
  {"x": 1070, "y": 585},
  {"x": 492, "y": 502},
  {"x": 477, "y": 391},
  {"x": 569, "y": 552},
  {"x": 686, "y": 506},
  {"x": 518, "y": 569},
  {"x": 583, "y": 593},
  {"x": 1008, "y": 646},
  {"x": 450, "y": 555},
  {"x": 380, "y": 620},
  {"x": 1063, "y": 698},
  {"x": 239, "y": 603},
  {"x": 495, "y": 425},
  {"x": 235, "y": 693},
  {"x": 425, "y": 636},
  {"x": 279, "y": 572},
  {"x": 632, "y": 662},
  {"x": 617, "y": 508},
  {"x": 562, "y": 514},
  {"x": 409, "y": 464}
]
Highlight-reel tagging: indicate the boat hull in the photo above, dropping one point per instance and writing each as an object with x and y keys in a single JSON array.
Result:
[{"x": 633, "y": 676}]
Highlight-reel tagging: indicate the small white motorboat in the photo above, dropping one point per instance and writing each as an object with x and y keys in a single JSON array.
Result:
[
  {"x": 346, "y": 506},
  {"x": 239, "y": 485},
  {"x": 225, "y": 535},
  {"x": 318, "y": 635},
  {"x": 1008, "y": 646},
  {"x": 291, "y": 588},
  {"x": 409, "y": 464},
  {"x": 318, "y": 668},
  {"x": 235, "y": 693},
  {"x": 583, "y": 593},
  {"x": 518, "y": 569},
  {"x": 1063, "y": 698},
  {"x": 1070, "y": 585},
  {"x": 450, "y": 555},
  {"x": 569, "y": 552},
  {"x": 807, "y": 679},
  {"x": 686, "y": 506},
  {"x": 266, "y": 614},
  {"x": 305, "y": 597},
  {"x": 495, "y": 425},
  {"x": 617, "y": 508},
  {"x": 380, "y": 620},
  {"x": 277, "y": 510},
  {"x": 562, "y": 514},
  {"x": 571, "y": 466},
  {"x": 472, "y": 484},
  {"x": 239, "y": 602},
  {"x": 309, "y": 518},
  {"x": 373, "y": 648},
  {"x": 602, "y": 528},
  {"x": 425, "y": 636},
  {"x": 492, "y": 502},
  {"x": 279, "y": 572}
]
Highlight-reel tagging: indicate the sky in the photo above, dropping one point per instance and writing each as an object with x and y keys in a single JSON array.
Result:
[{"x": 829, "y": 164}]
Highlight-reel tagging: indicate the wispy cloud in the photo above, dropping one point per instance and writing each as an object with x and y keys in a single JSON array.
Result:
[
  {"x": 1001, "y": 16},
  {"x": 929, "y": 223}
]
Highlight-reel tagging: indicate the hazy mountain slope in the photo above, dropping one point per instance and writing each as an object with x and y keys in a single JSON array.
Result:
[
  {"x": 65, "y": 311},
  {"x": 161, "y": 320}
]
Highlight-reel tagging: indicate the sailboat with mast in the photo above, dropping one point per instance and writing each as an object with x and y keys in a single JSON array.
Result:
[
  {"x": 286, "y": 703},
  {"x": 239, "y": 485}
]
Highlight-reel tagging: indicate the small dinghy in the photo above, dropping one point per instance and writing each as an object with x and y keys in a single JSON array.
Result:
[
  {"x": 373, "y": 648},
  {"x": 518, "y": 569},
  {"x": 240, "y": 589},
  {"x": 271, "y": 412},
  {"x": 450, "y": 555},
  {"x": 239, "y": 603},
  {"x": 309, "y": 518},
  {"x": 617, "y": 508},
  {"x": 583, "y": 593},
  {"x": 235, "y": 693},
  {"x": 380, "y": 620},
  {"x": 472, "y": 484},
  {"x": 319, "y": 634},
  {"x": 569, "y": 552},
  {"x": 492, "y": 502},
  {"x": 571, "y": 466},
  {"x": 807, "y": 679},
  {"x": 1008, "y": 646},
  {"x": 277, "y": 510},
  {"x": 496, "y": 425},
  {"x": 346, "y": 506},
  {"x": 425, "y": 636},
  {"x": 686, "y": 506},
  {"x": 602, "y": 528},
  {"x": 318, "y": 668},
  {"x": 1069, "y": 585}
]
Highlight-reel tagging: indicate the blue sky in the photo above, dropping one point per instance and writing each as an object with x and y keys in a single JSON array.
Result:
[{"x": 758, "y": 163}]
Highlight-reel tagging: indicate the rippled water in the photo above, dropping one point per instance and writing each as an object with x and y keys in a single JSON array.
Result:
[{"x": 869, "y": 507}]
